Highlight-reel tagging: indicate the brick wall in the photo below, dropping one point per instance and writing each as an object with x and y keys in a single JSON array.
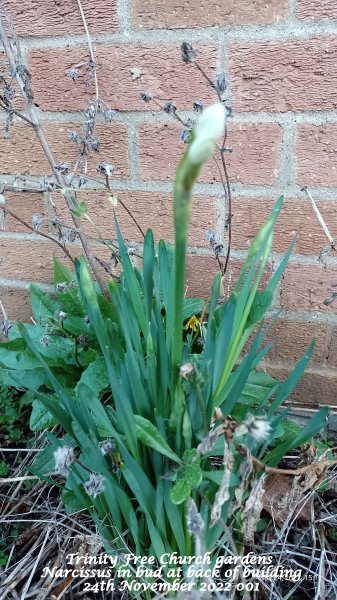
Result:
[{"x": 281, "y": 60}]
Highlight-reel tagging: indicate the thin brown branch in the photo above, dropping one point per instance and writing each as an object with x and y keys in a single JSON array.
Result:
[
  {"x": 45, "y": 235},
  {"x": 33, "y": 116},
  {"x": 8, "y": 108}
]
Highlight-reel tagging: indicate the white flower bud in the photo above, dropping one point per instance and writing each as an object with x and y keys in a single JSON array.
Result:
[{"x": 207, "y": 131}]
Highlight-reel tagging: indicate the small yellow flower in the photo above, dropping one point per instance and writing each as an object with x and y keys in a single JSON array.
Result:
[{"x": 193, "y": 323}]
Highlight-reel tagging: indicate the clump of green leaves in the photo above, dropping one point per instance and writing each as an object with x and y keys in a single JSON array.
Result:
[{"x": 163, "y": 408}]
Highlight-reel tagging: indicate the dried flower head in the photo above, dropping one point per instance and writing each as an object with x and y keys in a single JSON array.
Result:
[
  {"x": 221, "y": 83},
  {"x": 108, "y": 115},
  {"x": 45, "y": 340},
  {"x": 95, "y": 143},
  {"x": 146, "y": 96},
  {"x": 86, "y": 319},
  {"x": 185, "y": 135},
  {"x": 62, "y": 315},
  {"x": 195, "y": 523},
  {"x": 73, "y": 73},
  {"x": 188, "y": 53},
  {"x": 95, "y": 485},
  {"x": 186, "y": 370},
  {"x": 106, "y": 446},
  {"x": 105, "y": 168},
  {"x": 257, "y": 426},
  {"x": 74, "y": 137},
  {"x": 64, "y": 456},
  {"x": 63, "y": 167},
  {"x": 169, "y": 107},
  {"x": 36, "y": 222},
  {"x": 198, "y": 106},
  {"x": 5, "y": 326}
]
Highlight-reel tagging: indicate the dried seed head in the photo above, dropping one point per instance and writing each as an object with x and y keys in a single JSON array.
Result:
[
  {"x": 108, "y": 115},
  {"x": 64, "y": 456},
  {"x": 86, "y": 319},
  {"x": 45, "y": 340},
  {"x": 95, "y": 485},
  {"x": 106, "y": 446},
  {"x": 169, "y": 107},
  {"x": 105, "y": 168},
  {"x": 62, "y": 315},
  {"x": 36, "y": 222},
  {"x": 74, "y": 137},
  {"x": 186, "y": 370},
  {"x": 95, "y": 143},
  {"x": 5, "y": 326},
  {"x": 63, "y": 167},
  {"x": 185, "y": 135},
  {"x": 73, "y": 73},
  {"x": 210, "y": 237},
  {"x": 221, "y": 83},
  {"x": 198, "y": 106},
  {"x": 60, "y": 287},
  {"x": 258, "y": 427},
  {"x": 188, "y": 53},
  {"x": 146, "y": 96}
]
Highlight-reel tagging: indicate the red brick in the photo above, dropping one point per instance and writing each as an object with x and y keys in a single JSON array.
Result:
[
  {"x": 284, "y": 76},
  {"x": 22, "y": 153},
  {"x": 297, "y": 219},
  {"x": 150, "y": 209},
  {"x": 305, "y": 287},
  {"x": 312, "y": 391},
  {"x": 16, "y": 303},
  {"x": 162, "y": 73},
  {"x": 52, "y": 17},
  {"x": 316, "y": 9},
  {"x": 316, "y": 150},
  {"x": 32, "y": 260},
  {"x": 24, "y": 205},
  {"x": 254, "y": 160},
  {"x": 290, "y": 340},
  {"x": 201, "y": 270},
  {"x": 154, "y": 14}
]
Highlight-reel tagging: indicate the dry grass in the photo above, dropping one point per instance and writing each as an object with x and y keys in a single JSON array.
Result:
[{"x": 306, "y": 540}]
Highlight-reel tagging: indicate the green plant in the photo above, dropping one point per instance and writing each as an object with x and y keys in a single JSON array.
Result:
[{"x": 139, "y": 458}]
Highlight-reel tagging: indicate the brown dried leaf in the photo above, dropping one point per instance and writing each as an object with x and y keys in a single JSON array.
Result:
[{"x": 252, "y": 510}]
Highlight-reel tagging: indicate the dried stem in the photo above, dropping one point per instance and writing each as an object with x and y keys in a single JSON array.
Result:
[
  {"x": 91, "y": 52},
  {"x": 35, "y": 123},
  {"x": 45, "y": 235},
  {"x": 320, "y": 218},
  {"x": 125, "y": 208}
]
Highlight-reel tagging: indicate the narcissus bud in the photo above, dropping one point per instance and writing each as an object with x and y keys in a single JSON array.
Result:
[{"x": 206, "y": 133}]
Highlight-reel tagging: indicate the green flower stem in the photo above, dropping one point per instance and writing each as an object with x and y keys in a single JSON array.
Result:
[{"x": 182, "y": 204}]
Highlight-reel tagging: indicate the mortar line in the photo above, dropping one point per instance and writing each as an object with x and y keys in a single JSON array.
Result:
[
  {"x": 239, "y": 190},
  {"x": 287, "y": 171},
  {"x": 282, "y": 31}
]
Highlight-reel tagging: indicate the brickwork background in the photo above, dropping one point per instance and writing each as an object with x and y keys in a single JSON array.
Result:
[{"x": 280, "y": 57}]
